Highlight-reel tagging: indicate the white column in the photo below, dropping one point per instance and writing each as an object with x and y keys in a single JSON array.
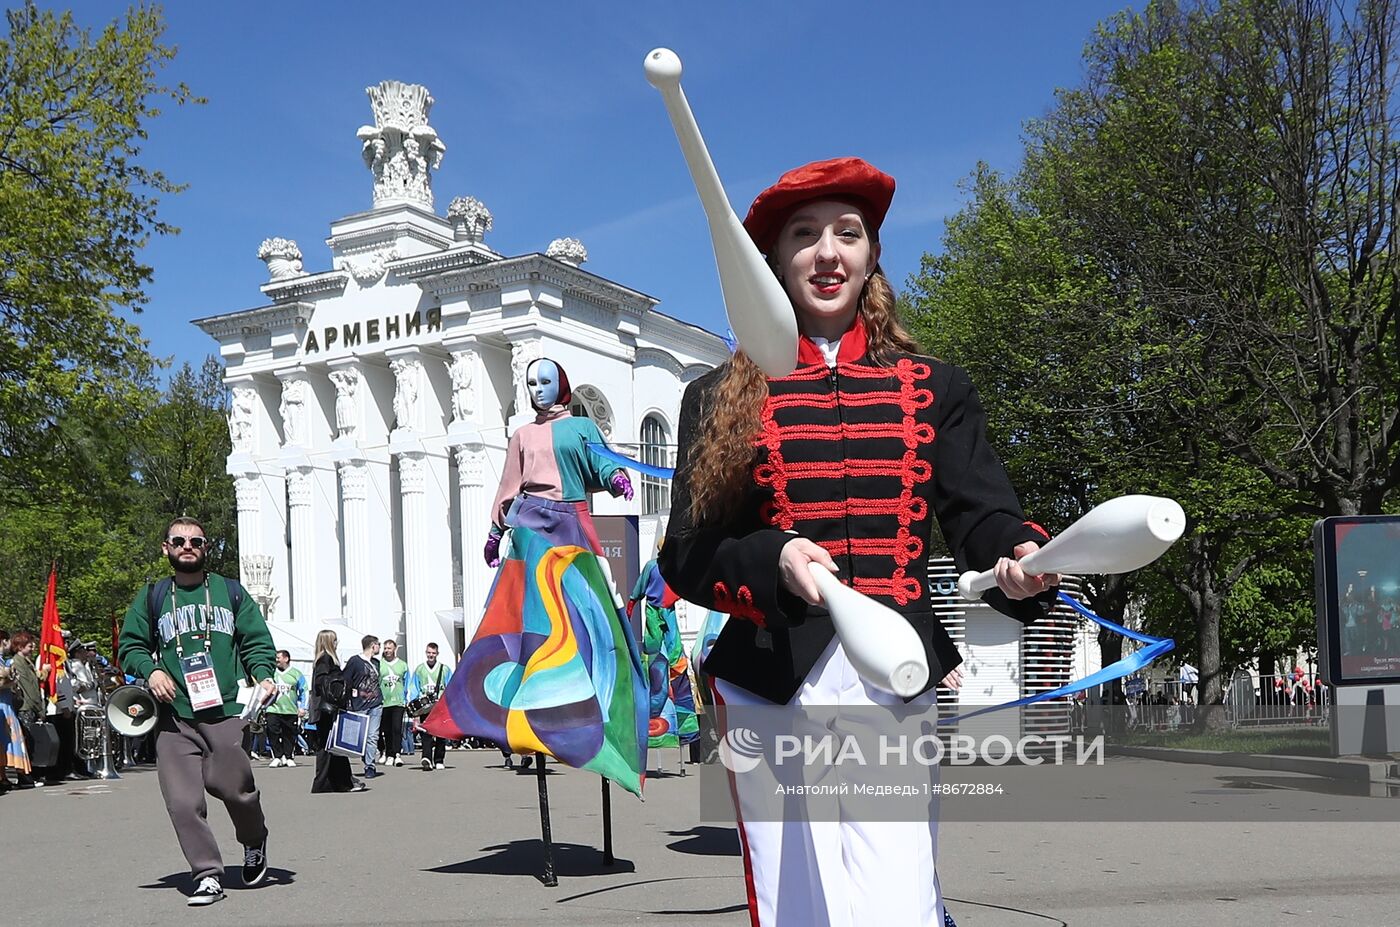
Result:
[
  {"x": 300, "y": 488},
  {"x": 420, "y": 623},
  {"x": 475, "y": 497},
  {"x": 247, "y": 489},
  {"x": 354, "y": 500}
]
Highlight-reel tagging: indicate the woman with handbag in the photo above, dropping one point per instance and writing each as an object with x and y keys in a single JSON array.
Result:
[{"x": 327, "y": 700}]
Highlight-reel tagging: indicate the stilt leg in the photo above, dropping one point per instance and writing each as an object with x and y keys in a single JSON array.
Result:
[{"x": 548, "y": 877}]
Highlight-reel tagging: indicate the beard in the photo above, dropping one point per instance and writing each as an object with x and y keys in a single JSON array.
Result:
[{"x": 187, "y": 566}]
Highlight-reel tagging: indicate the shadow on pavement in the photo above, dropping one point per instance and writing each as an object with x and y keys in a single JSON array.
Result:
[
  {"x": 705, "y": 841},
  {"x": 526, "y": 858},
  {"x": 232, "y": 880}
]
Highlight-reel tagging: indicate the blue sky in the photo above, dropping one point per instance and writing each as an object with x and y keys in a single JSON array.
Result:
[{"x": 548, "y": 119}]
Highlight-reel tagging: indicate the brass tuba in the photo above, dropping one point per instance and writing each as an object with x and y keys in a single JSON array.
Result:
[{"x": 92, "y": 732}]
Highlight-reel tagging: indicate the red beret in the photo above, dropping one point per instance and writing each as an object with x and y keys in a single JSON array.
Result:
[{"x": 838, "y": 179}]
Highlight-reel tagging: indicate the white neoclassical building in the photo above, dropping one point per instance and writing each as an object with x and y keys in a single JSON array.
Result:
[{"x": 371, "y": 402}]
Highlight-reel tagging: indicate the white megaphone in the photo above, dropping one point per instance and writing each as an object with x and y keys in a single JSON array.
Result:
[
  {"x": 882, "y": 646},
  {"x": 131, "y": 711}
]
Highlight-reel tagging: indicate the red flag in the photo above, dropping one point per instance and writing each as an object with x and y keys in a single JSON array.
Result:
[{"x": 51, "y": 647}]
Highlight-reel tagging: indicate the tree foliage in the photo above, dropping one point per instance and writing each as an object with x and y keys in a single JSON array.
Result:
[
  {"x": 76, "y": 206},
  {"x": 163, "y": 457},
  {"x": 1189, "y": 289}
]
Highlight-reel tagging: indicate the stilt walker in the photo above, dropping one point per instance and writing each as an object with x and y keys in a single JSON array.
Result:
[{"x": 554, "y": 668}]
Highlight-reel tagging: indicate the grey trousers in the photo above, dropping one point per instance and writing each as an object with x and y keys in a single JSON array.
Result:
[{"x": 193, "y": 757}]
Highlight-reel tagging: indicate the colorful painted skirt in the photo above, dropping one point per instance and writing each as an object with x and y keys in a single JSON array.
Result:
[
  {"x": 12, "y": 739},
  {"x": 554, "y": 667},
  {"x": 671, "y": 707}
]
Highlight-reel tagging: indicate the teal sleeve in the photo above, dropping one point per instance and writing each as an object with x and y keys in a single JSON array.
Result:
[{"x": 600, "y": 469}]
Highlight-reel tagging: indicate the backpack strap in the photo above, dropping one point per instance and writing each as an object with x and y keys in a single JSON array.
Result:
[
  {"x": 155, "y": 594},
  {"x": 235, "y": 595}
]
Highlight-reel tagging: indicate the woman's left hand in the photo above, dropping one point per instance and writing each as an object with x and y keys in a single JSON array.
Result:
[{"x": 1017, "y": 583}]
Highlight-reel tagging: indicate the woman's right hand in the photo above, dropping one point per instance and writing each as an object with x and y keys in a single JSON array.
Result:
[{"x": 796, "y": 575}]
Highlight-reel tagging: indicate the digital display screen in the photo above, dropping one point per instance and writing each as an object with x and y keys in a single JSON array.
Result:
[{"x": 1359, "y": 598}]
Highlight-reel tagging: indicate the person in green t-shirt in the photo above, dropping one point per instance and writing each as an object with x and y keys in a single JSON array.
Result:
[
  {"x": 283, "y": 713},
  {"x": 393, "y": 681},
  {"x": 192, "y": 646}
]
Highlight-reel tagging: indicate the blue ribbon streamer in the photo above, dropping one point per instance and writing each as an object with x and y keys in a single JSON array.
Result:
[
  {"x": 607, "y": 453},
  {"x": 1156, "y": 647}
]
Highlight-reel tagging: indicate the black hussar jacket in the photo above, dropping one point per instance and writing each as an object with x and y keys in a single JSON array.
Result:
[{"x": 858, "y": 458}]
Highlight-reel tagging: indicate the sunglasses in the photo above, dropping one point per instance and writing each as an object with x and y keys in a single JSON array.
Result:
[{"x": 176, "y": 540}]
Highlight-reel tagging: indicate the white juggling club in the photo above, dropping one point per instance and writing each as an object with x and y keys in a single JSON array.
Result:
[
  {"x": 759, "y": 310},
  {"x": 882, "y": 646},
  {"x": 1117, "y": 536}
]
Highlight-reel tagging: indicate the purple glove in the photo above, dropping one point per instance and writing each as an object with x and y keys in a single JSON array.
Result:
[
  {"x": 621, "y": 485},
  {"x": 493, "y": 548}
]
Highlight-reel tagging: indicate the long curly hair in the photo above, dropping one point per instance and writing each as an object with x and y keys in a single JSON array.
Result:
[{"x": 719, "y": 469}]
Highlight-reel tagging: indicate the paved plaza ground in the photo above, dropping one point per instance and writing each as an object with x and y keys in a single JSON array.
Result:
[{"x": 461, "y": 846}]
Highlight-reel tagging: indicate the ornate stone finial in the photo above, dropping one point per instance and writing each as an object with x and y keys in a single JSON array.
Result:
[
  {"x": 401, "y": 149},
  {"x": 257, "y": 579},
  {"x": 568, "y": 250},
  {"x": 282, "y": 257},
  {"x": 471, "y": 220}
]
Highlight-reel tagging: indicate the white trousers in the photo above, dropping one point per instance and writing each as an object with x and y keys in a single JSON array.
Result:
[{"x": 842, "y": 873}]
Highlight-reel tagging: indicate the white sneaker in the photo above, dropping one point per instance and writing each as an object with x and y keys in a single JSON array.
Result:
[
  {"x": 442, "y": 766},
  {"x": 275, "y": 763},
  {"x": 398, "y": 761},
  {"x": 289, "y": 762},
  {"x": 208, "y": 892},
  {"x": 379, "y": 761},
  {"x": 252, "y": 755}
]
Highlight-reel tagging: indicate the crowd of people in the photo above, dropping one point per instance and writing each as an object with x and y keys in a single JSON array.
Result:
[
  {"x": 283, "y": 732},
  {"x": 27, "y": 712}
]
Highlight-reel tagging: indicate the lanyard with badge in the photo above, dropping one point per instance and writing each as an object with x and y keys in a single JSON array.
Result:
[{"x": 201, "y": 682}]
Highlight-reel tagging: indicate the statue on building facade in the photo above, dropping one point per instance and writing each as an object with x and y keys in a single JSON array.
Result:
[
  {"x": 406, "y": 372},
  {"x": 521, "y": 355},
  {"x": 347, "y": 405},
  {"x": 293, "y": 412},
  {"x": 462, "y": 369},
  {"x": 240, "y": 419}
]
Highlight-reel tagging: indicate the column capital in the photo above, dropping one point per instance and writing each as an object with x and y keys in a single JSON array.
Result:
[
  {"x": 413, "y": 472},
  {"x": 247, "y": 488},
  {"x": 471, "y": 463},
  {"x": 299, "y": 486},
  {"x": 354, "y": 479}
]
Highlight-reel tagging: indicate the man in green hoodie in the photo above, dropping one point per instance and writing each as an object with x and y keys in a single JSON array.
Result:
[{"x": 192, "y": 649}]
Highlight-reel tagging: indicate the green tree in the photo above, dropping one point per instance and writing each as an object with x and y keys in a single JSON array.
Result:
[
  {"x": 76, "y": 206},
  {"x": 162, "y": 456},
  {"x": 179, "y": 462}
]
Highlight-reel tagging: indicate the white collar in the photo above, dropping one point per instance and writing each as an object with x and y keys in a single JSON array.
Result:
[{"x": 829, "y": 349}]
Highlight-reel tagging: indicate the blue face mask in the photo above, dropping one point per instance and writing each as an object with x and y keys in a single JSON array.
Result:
[{"x": 542, "y": 379}]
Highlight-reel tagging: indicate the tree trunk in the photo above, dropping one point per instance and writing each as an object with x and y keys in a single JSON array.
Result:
[{"x": 1211, "y": 714}]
